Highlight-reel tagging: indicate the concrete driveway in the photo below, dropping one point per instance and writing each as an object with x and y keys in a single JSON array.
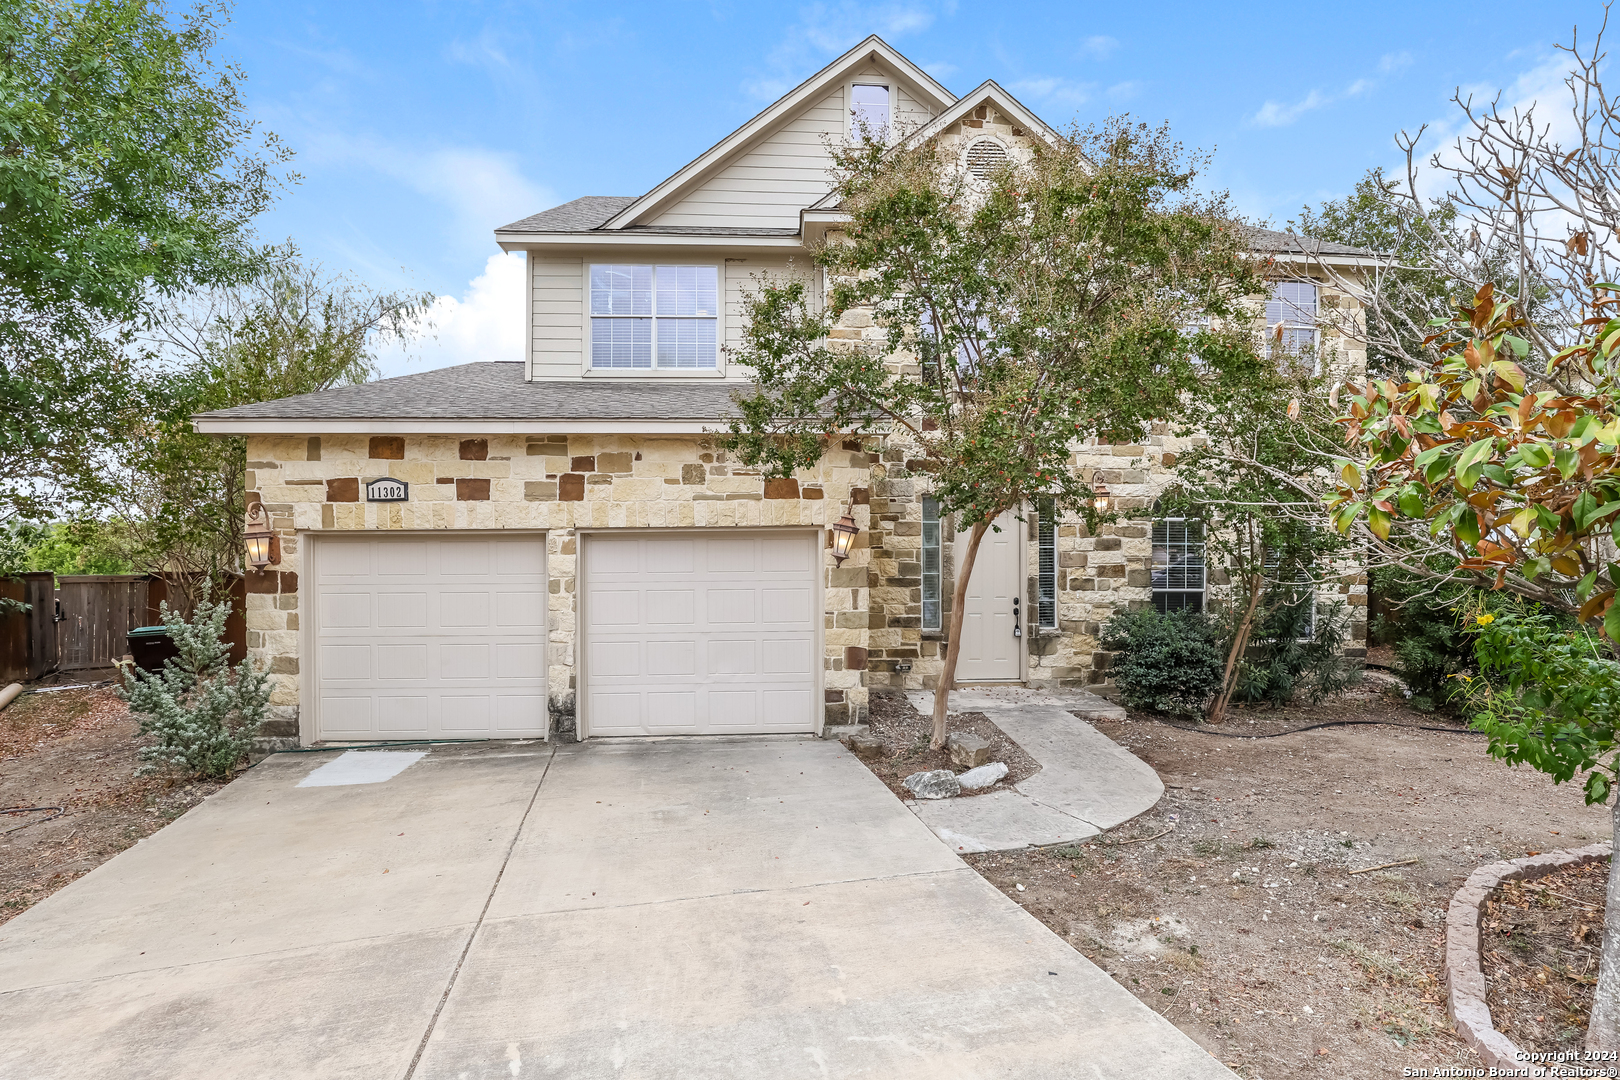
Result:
[{"x": 719, "y": 907}]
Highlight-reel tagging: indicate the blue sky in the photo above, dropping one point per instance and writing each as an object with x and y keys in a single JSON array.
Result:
[{"x": 420, "y": 127}]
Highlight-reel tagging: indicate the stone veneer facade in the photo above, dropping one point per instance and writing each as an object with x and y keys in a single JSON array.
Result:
[{"x": 873, "y": 613}]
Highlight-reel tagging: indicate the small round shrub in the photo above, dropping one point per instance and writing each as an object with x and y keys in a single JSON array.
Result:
[{"x": 1169, "y": 663}]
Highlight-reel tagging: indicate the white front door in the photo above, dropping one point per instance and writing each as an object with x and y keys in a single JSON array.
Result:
[
  {"x": 702, "y": 632},
  {"x": 990, "y": 651},
  {"x": 428, "y": 637}
]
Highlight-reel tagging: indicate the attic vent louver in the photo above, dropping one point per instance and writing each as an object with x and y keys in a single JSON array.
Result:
[{"x": 985, "y": 157}]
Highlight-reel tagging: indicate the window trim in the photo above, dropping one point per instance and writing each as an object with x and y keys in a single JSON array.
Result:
[
  {"x": 654, "y": 372},
  {"x": 1154, "y": 592},
  {"x": 930, "y": 517},
  {"x": 849, "y": 105},
  {"x": 1045, "y": 565}
]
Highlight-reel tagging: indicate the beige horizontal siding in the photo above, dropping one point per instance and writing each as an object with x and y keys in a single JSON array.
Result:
[{"x": 555, "y": 304}]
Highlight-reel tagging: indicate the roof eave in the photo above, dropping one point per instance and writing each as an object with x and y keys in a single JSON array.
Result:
[
  {"x": 522, "y": 241},
  {"x": 394, "y": 425}
]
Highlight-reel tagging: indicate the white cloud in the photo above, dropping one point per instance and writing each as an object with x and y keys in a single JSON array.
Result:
[
  {"x": 940, "y": 69},
  {"x": 1124, "y": 91},
  {"x": 1273, "y": 114},
  {"x": 484, "y": 323},
  {"x": 824, "y": 30},
  {"x": 1101, "y": 46},
  {"x": 1393, "y": 62},
  {"x": 1055, "y": 91}
]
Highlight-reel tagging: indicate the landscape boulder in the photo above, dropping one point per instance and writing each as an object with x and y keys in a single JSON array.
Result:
[
  {"x": 866, "y": 747},
  {"x": 968, "y": 751},
  {"x": 983, "y": 776},
  {"x": 937, "y": 784}
]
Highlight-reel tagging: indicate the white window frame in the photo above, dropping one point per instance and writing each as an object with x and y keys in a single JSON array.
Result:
[
  {"x": 932, "y": 580},
  {"x": 849, "y": 106},
  {"x": 1292, "y": 324},
  {"x": 1270, "y": 563},
  {"x": 653, "y": 372},
  {"x": 1153, "y": 567}
]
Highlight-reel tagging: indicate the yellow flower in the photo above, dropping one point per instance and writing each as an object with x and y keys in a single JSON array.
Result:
[{"x": 1484, "y": 620}]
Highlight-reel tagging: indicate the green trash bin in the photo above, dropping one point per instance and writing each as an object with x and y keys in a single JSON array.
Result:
[{"x": 150, "y": 646}]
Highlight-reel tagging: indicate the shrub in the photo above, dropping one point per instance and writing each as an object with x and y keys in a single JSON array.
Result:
[
  {"x": 1431, "y": 645},
  {"x": 202, "y": 716},
  {"x": 1288, "y": 655},
  {"x": 1167, "y": 663}
]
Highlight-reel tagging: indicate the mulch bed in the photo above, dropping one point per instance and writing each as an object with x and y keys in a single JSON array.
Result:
[
  {"x": 1542, "y": 939},
  {"x": 905, "y": 733}
]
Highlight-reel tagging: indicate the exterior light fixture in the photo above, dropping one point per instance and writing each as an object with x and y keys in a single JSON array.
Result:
[
  {"x": 843, "y": 538},
  {"x": 1100, "y": 496},
  {"x": 260, "y": 541}
]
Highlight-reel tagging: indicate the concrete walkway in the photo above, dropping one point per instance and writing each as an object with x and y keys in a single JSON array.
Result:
[
  {"x": 718, "y": 907},
  {"x": 1087, "y": 783}
]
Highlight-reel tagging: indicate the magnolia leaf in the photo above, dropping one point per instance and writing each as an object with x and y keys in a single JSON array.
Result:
[
  {"x": 1351, "y": 475},
  {"x": 1611, "y": 623},
  {"x": 1567, "y": 461},
  {"x": 1411, "y": 503},
  {"x": 1535, "y": 455},
  {"x": 1293, "y": 409},
  {"x": 1566, "y": 565},
  {"x": 1378, "y": 521},
  {"x": 1524, "y": 521},
  {"x": 1585, "y": 587},
  {"x": 1582, "y": 509},
  {"x": 1467, "y": 527}
]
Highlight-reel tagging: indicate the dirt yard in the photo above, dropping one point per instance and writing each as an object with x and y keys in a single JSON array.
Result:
[
  {"x": 906, "y": 734},
  {"x": 1245, "y": 922},
  {"x": 73, "y": 753}
]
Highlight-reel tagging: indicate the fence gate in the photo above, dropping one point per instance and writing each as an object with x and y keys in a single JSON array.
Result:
[{"x": 97, "y": 613}]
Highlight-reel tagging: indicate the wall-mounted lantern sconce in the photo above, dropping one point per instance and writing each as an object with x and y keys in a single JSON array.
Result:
[
  {"x": 843, "y": 538},
  {"x": 1100, "y": 496},
  {"x": 260, "y": 541}
]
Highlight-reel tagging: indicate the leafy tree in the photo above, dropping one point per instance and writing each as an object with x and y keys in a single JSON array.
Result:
[
  {"x": 128, "y": 171},
  {"x": 1019, "y": 314},
  {"x": 201, "y": 715},
  {"x": 62, "y": 547},
  {"x": 293, "y": 330}
]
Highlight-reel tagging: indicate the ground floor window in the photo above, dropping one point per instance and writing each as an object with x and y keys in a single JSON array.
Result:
[
  {"x": 930, "y": 564},
  {"x": 1178, "y": 564},
  {"x": 1294, "y": 588},
  {"x": 1046, "y": 573}
]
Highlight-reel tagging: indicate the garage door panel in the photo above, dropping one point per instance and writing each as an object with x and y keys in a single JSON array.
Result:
[
  {"x": 787, "y": 656},
  {"x": 346, "y": 662},
  {"x": 526, "y": 608},
  {"x": 402, "y": 559},
  {"x": 671, "y": 658},
  {"x": 615, "y": 607},
  {"x": 671, "y": 713},
  {"x": 727, "y": 606},
  {"x": 518, "y": 559},
  {"x": 697, "y": 647},
  {"x": 516, "y": 660},
  {"x": 400, "y": 715},
  {"x": 417, "y": 637},
  {"x": 465, "y": 712},
  {"x": 668, "y": 556},
  {"x": 401, "y": 663},
  {"x": 402, "y": 610},
  {"x": 670, "y": 606}
]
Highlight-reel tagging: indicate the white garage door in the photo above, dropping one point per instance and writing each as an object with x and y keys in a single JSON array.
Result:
[
  {"x": 429, "y": 637},
  {"x": 701, "y": 633}
]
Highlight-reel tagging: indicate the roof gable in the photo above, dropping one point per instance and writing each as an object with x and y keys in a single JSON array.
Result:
[{"x": 812, "y": 95}]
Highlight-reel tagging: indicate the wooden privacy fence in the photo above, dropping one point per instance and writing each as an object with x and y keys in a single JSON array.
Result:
[{"x": 82, "y": 621}]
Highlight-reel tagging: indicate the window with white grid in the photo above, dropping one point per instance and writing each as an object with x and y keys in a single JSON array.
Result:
[
  {"x": 1178, "y": 564},
  {"x": 1046, "y": 573},
  {"x": 869, "y": 112},
  {"x": 1292, "y": 308},
  {"x": 930, "y": 564},
  {"x": 655, "y": 316},
  {"x": 1295, "y": 585}
]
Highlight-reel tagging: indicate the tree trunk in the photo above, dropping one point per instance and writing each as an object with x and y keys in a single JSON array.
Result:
[
  {"x": 953, "y": 647},
  {"x": 1240, "y": 641},
  {"x": 1603, "y": 1031}
]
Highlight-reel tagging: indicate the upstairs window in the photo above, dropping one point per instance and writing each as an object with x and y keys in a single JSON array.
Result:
[
  {"x": 1292, "y": 308},
  {"x": 654, "y": 316},
  {"x": 1178, "y": 564},
  {"x": 869, "y": 112}
]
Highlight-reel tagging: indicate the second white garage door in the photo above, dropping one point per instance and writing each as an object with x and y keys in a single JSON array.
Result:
[
  {"x": 701, "y": 633},
  {"x": 429, "y": 637}
]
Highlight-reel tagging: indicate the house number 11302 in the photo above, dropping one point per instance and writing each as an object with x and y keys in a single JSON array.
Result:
[{"x": 387, "y": 489}]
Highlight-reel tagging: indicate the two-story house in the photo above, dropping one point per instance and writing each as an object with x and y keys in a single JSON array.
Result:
[{"x": 566, "y": 551}]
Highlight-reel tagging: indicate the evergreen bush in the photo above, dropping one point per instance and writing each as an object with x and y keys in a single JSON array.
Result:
[
  {"x": 202, "y": 715},
  {"x": 1296, "y": 650},
  {"x": 1169, "y": 663}
]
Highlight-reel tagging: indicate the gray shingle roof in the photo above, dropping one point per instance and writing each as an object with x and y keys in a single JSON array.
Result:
[
  {"x": 1281, "y": 243},
  {"x": 496, "y": 391},
  {"x": 581, "y": 215}
]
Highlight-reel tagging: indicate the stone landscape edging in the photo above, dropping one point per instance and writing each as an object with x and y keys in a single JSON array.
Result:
[{"x": 1464, "y": 975}]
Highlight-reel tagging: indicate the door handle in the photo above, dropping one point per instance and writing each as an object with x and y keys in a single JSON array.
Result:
[{"x": 1018, "y": 622}]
